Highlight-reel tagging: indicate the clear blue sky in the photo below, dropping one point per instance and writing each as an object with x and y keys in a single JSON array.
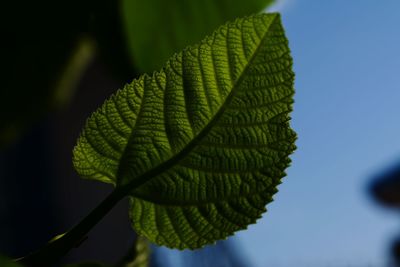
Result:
[{"x": 347, "y": 116}]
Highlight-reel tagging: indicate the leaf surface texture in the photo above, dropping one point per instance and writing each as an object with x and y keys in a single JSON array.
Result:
[{"x": 201, "y": 145}]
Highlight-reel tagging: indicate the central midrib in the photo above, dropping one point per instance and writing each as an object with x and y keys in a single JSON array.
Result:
[{"x": 171, "y": 162}]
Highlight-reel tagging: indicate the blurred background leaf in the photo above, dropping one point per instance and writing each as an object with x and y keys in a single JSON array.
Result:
[
  {"x": 48, "y": 46},
  {"x": 138, "y": 255},
  {"x": 155, "y": 29},
  {"x": 43, "y": 56},
  {"x": 335, "y": 43},
  {"x": 6, "y": 262},
  {"x": 385, "y": 188}
]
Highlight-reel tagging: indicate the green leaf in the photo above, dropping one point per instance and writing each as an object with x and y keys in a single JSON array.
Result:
[
  {"x": 201, "y": 145},
  {"x": 6, "y": 262},
  {"x": 139, "y": 256},
  {"x": 156, "y": 29}
]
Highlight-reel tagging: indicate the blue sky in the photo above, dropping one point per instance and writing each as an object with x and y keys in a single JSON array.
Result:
[{"x": 347, "y": 64}]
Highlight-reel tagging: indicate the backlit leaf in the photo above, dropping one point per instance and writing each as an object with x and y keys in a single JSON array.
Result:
[{"x": 201, "y": 145}]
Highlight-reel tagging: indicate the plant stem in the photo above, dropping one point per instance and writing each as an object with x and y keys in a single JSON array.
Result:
[{"x": 55, "y": 250}]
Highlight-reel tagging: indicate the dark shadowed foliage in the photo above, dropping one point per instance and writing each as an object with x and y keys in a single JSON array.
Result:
[{"x": 385, "y": 188}]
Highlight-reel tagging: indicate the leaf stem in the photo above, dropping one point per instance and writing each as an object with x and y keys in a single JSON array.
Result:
[{"x": 53, "y": 251}]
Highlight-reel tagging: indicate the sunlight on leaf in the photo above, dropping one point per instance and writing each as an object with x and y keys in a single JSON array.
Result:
[{"x": 201, "y": 145}]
